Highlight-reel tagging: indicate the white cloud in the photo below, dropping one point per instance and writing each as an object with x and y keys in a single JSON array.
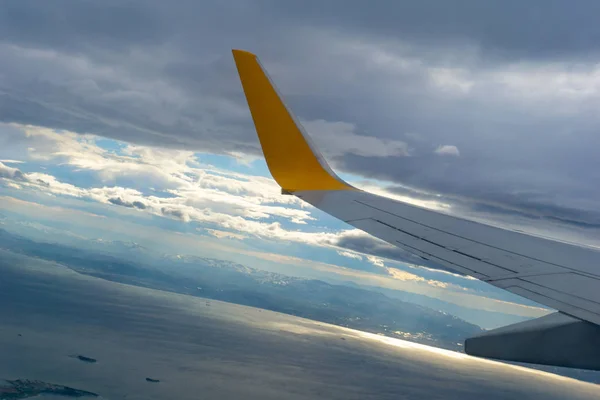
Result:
[
  {"x": 394, "y": 279},
  {"x": 377, "y": 188},
  {"x": 12, "y": 161},
  {"x": 233, "y": 216},
  {"x": 377, "y": 261},
  {"x": 13, "y": 185},
  {"x": 557, "y": 80},
  {"x": 243, "y": 158},
  {"x": 520, "y": 82},
  {"x": 339, "y": 138},
  {"x": 350, "y": 254},
  {"x": 454, "y": 80},
  {"x": 183, "y": 187},
  {"x": 405, "y": 276},
  {"x": 222, "y": 234},
  {"x": 227, "y": 204},
  {"x": 447, "y": 150},
  {"x": 9, "y": 172},
  {"x": 178, "y": 173}
]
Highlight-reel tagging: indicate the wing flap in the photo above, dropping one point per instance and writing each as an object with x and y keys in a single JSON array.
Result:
[
  {"x": 554, "y": 339},
  {"x": 570, "y": 284}
]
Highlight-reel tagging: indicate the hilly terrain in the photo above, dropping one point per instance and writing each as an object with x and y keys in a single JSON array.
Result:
[{"x": 352, "y": 307}]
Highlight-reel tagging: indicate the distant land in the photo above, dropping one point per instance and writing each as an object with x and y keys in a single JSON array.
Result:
[
  {"x": 376, "y": 310},
  {"x": 84, "y": 358},
  {"x": 25, "y": 388},
  {"x": 346, "y": 306},
  {"x": 225, "y": 351},
  {"x": 139, "y": 254}
]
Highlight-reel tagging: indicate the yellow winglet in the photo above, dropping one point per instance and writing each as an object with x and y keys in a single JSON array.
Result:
[{"x": 293, "y": 161}]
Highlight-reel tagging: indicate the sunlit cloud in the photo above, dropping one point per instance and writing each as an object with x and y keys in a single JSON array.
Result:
[
  {"x": 350, "y": 254},
  {"x": 228, "y": 245},
  {"x": 227, "y": 205},
  {"x": 179, "y": 185},
  {"x": 222, "y": 234},
  {"x": 12, "y": 161},
  {"x": 377, "y": 261},
  {"x": 374, "y": 187},
  {"x": 339, "y": 138},
  {"x": 447, "y": 150}
]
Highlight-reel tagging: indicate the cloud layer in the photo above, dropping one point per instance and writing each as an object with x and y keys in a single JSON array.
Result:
[
  {"x": 441, "y": 98},
  {"x": 176, "y": 184},
  {"x": 242, "y": 211}
]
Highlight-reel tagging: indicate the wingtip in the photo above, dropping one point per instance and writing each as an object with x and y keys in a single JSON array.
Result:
[
  {"x": 242, "y": 53},
  {"x": 294, "y": 164}
]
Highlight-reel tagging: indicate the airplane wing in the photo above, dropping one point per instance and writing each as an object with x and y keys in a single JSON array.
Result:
[{"x": 559, "y": 275}]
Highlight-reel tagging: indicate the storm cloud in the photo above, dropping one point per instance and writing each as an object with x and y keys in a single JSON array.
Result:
[{"x": 494, "y": 103}]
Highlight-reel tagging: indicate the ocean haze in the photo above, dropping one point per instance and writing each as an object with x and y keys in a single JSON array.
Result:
[{"x": 222, "y": 350}]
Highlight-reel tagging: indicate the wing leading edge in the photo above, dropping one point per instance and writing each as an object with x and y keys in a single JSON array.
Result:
[{"x": 559, "y": 275}]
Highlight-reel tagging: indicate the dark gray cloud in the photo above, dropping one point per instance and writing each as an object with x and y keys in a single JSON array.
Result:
[
  {"x": 529, "y": 205},
  {"x": 139, "y": 204},
  {"x": 513, "y": 86},
  {"x": 369, "y": 245},
  {"x": 75, "y": 25},
  {"x": 120, "y": 202},
  {"x": 511, "y": 28},
  {"x": 174, "y": 213},
  {"x": 535, "y": 28},
  {"x": 10, "y": 172}
]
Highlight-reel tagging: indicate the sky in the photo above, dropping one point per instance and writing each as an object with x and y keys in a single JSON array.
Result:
[{"x": 126, "y": 121}]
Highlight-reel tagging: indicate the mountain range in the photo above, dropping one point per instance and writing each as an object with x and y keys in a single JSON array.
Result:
[{"x": 353, "y": 307}]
